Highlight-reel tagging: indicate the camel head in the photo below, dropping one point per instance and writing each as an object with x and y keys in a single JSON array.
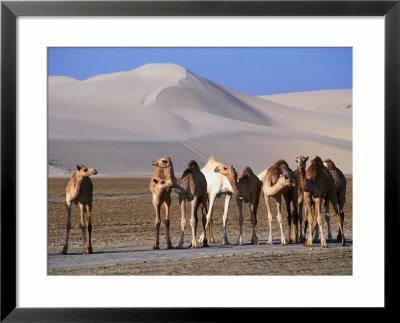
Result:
[
  {"x": 225, "y": 170},
  {"x": 162, "y": 183},
  {"x": 83, "y": 171},
  {"x": 286, "y": 181},
  {"x": 163, "y": 162},
  {"x": 301, "y": 161}
]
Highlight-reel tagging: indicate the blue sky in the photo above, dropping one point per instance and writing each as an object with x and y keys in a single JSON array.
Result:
[{"x": 256, "y": 71}]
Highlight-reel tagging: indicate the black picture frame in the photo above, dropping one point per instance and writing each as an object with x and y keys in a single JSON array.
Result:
[{"x": 11, "y": 10}]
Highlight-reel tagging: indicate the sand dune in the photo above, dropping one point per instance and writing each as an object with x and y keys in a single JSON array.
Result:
[
  {"x": 328, "y": 101},
  {"x": 120, "y": 122}
]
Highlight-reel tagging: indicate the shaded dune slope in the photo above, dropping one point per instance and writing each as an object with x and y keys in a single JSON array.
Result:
[{"x": 122, "y": 121}]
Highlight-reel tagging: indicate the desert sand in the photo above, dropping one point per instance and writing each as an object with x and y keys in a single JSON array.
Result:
[{"x": 124, "y": 231}]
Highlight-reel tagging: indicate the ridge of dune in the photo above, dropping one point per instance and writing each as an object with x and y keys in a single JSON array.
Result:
[
  {"x": 152, "y": 71},
  {"x": 137, "y": 87},
  {"x": 337, "y": 101},
  {"x": 58, "y": 80}
]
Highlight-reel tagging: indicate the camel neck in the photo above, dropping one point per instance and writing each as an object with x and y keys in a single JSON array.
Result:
[
  {"x": 165, "y": 173},
  {"x": 75, "y": 186},
  {"x": 274, "y": 189},
  {"x": 303, "y": 179},
  {"x": 234, "y": 183}
]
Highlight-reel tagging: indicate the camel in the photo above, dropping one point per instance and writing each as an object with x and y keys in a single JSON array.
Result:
[
  {"x": 217, "y": 186},
  {"x": 80, "y": 191},
  {"x": 307, "y": 217},
  {"x": 194, "y": 189},
  {"x": 162, "y": 195},
  {"x": 280, "y": 180},
  {"x": 318, "y": 183},
  {"x": 340, "y": 190},
  {"x": 247, "y": 188}
]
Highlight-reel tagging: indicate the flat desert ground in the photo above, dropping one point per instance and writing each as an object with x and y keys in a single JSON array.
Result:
[{"x": 123, "y": 235}]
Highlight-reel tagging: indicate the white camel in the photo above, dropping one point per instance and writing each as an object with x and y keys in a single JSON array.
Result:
[{"x": 217, "y": 186}]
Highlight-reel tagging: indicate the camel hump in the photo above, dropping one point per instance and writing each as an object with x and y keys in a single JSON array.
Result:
[
  {"x": 187, "y": 172},
  {"x": 281, "y": 163},
  {"x": 317, "y": 161},
  {"x": 193, "y": 164},
  {"x": 247, "y": 172},
  {"x": 329, "y": 163}
]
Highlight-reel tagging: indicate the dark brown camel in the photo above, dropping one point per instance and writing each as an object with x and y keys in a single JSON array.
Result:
[
  {"x": 316, "y": 183},
  {"x": 194, "y": 189}
]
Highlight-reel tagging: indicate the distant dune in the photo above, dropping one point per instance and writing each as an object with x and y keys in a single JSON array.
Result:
[
  {"x": 118, "y": 123},
  {"x": 328, "y": 101}
]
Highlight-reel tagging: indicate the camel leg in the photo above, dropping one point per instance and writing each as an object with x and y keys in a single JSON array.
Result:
[
  {"x": 339, "y": 234},
  {"x": 339, "y": 218},
  {"x": 341, "y": 200},
  {"x": 193, "y": 221},
  {"x": 289, "y": 218},
  {"x": 225, "y": 240},
  {"x": 67, "y": 227},
  {"x": 83, "y": 228},
  {"x": 209, "y": 220},
  {"x": 267, "y": 203},
  {"x": 167, "y": 204},
  {"x": 203, "y": 202},
  {"x": 157, "y": 206},
  {"x": 318, "y": 202},
  {"x": 309, "y": 241},
  {"x": 253, "y": 220},
  {"x": 339, "y": 221},
  {"x": 89, "y": 223},
  {"x": 295, "y": 214},
  {"x": 210, "y": 230},
  {"x": 300, "y": 213},
  {"x": 328, "y": 218},
  {"x": 183, "y": 221},
  {"x": 278, "y": 200},
  {"x": 292, "y": 216},
  {"x": 315, "y": 222},
  {"x": 239, "y": 204}
]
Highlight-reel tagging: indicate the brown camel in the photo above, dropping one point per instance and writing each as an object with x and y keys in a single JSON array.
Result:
[
  {"x": 289, "y": 191},
  {"x": 247, "y": 188},
  {"x": 340, "y": 190},
  {"x": 194, "y": 189},
  {"x": 162, "y": 195},
  {"x": 316, "y": 183},
  {"x": 80, "y": 191}
]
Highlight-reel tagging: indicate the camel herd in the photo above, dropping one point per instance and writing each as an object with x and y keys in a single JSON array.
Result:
[{"x": 322, "y": 180}]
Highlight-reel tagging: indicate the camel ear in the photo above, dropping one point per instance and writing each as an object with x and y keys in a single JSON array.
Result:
[
  {"x": 233, "y": 166},
  {"x": 169, "y": 158},
  {"x": 155, "y": 180},
  {"x": 306, "y": 158},
  {"x": 78, "y": 167}
]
